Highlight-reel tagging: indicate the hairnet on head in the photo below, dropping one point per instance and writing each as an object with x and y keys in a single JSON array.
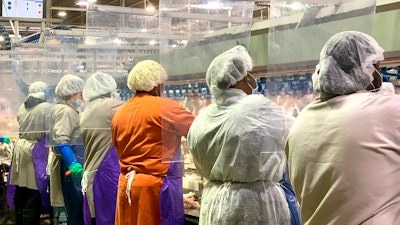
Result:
[
  {"x": 146, "y": 75},
  {"x": 346, "y": 63},
  {"x": 228, "y": 68},
  {"x": 386, "y": 88},
  {"x": 69, "y": 85},
  {"x": 98, "y": 84},
  {"x": 37, "y": 90}
]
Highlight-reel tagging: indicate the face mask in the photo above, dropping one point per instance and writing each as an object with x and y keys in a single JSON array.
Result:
[
  {"x": 254, "y": 89},
  {"x": 76, "y": 104}
]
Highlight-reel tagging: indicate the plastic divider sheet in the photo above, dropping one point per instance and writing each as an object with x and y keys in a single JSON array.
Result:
[
  {"x": 297, "y": 32},
  {"x": 192, "y": 34},
  {"x": 299, "y": 29},
  {"x": 64, "y": 55},
  {"x": 29, "y": 68},
  {"x": 118, "y": 38},
  {"x": 8, "y": 118}
]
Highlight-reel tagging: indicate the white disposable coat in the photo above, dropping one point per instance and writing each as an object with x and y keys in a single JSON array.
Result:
[{"x": 238, "y": 146}]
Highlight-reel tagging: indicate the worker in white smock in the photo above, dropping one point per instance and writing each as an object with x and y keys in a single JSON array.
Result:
[
  {"x": 344, "y": 147},
  {"x": 237, "y": 144},
  {"x": 101, "y": 168},
  {"x": 67, "y": 150},
  {"x": 29, "y": 161}
]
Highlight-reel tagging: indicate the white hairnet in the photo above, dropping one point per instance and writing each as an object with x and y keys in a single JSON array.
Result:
[
  {"x": 346, "y": 63},
  {"x": 146, "y": 75},
  {"x": 37, "y": 90},
  {"x": 386, "y": 88},
  {"x": 98, "y": 84},
  {"x": 69, "y": 85},
  {"x": 228, "y": 68}
]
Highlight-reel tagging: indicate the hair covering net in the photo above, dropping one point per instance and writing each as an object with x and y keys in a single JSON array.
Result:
[
  {"x": 37, "y": 90},
  {"x": 146, "y": 75},
  {"x": 69, "y": 85},
  {"x": 387, "y": 88},
  {"x": 346, "y": 63},
  {"x": 228, "y": 68},
  {"x": 98, "y": 84}
]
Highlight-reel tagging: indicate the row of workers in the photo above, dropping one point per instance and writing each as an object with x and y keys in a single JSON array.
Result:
[{"x": 342, "y": 150}]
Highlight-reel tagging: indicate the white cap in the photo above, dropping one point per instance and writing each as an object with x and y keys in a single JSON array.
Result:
[
  {"x": 69, "y": 85},
  {"x": 146, "y": 75},
  {"x": 98, "y": 84}
]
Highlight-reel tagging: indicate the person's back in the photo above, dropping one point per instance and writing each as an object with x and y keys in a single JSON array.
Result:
[
  {"x": 237, "y": 144},
  {"x": 29, "y": 158},
  {"x": 344, "y": 158},
  {"x": 343, "y": 148},
  {"x": 146, "y": 132},
  {"x": 101, "y": 169}
]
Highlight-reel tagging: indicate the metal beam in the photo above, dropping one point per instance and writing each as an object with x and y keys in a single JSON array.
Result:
[
  {"x": 68, "y": 8},
  {"x": 32, "y": 20}
]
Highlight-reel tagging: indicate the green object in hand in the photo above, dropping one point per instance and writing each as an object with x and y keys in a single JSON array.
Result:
[{"x": 76, "y": 169}]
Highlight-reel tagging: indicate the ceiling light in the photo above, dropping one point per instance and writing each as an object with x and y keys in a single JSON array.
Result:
[
  {"x": 149, "y": 6},
  {"x": 91, "y": 1},
  {"x": 152, "y": 42},
  {"x": 62, "y": 13},
  {"x": 82, "y": 3},
  {"x": 296, "y": 6}
]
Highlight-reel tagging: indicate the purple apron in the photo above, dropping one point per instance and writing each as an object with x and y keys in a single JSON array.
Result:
[
  {"x": 105, "y": 189},
  {"x": 40, "y": 155},
  {"x": 171, "y": 196}
]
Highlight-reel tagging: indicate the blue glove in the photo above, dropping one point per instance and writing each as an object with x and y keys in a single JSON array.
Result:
[{"x": 66, "y": 153}]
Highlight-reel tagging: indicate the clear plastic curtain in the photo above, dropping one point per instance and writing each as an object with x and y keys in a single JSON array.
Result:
[
  {"x": 8, "y": 107},
  {"x": 297, "y": 32},
  {"x": 299, "y": 29},
  {"x": 192, "y": 34}
]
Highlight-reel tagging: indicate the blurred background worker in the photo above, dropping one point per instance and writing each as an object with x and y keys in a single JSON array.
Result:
[
  {"x": 146, "y": 131},
  {"x": 101, "y": 169},
  {"x": 29, "y": 161},
  {"x": 237, "y": 144},
  {"x": 344, "y": 148},
  {"x": 67, "y": 149}
]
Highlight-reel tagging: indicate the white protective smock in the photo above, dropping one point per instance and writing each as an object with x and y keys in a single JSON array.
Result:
[
  {"x": 64, "y": 128},
  {"x": 95, "y": 124},
  {"x": 237, "y": 144},
  {"x": 32, "y": 128}
]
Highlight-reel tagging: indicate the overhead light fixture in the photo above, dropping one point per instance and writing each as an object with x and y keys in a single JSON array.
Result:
[
  {"x": 149, "y": 6},
  {"x": 85, "y": 2},
  {"x": 62, "y": 13},
  {"x": 296, "y": 6},
  {"x": 82, "y": 3}
]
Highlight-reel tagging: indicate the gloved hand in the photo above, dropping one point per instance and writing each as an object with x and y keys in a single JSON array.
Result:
[{"x": 75, "y": 169}]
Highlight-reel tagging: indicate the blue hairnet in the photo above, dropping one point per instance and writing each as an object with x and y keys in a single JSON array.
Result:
[{"x": 346, "y": 63}]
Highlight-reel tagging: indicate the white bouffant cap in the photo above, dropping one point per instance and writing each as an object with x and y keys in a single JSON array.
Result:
[
  {"x": 146, "y": 75},
  {"x": 69, "y": 85},
  {"x": 98, "y": 84},
  {"x": 37, "y": 90}
]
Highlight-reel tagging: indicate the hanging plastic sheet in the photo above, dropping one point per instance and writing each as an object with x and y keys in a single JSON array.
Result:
[
  {"x": 297, "y": 32},
  {"x": 192, "y": 34},
  {"x": 299, "y": 29},
  {"x": 64, "y": 56},
  {"x": 8, "y": 107},
  {"x": 30, "y": 90}
]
